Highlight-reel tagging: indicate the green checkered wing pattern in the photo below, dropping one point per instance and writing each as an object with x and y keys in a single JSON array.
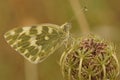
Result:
[{"x": 37, "y": 42}]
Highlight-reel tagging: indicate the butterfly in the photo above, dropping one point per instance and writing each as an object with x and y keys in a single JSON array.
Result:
[{"x": 37, "y": 42}]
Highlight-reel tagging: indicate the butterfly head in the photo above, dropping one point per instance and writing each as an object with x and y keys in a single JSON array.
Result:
[{"x": 66, "y": 27}]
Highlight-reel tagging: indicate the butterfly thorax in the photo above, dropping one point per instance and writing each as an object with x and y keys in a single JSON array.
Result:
[
  {"x": 68, "y": 39},
  {"x": 66, "y": 27},
  {"x": 65, "y": 30}
]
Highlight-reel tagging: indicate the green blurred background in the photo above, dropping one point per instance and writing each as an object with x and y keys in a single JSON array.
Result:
[{"x": 103, "y": 18}]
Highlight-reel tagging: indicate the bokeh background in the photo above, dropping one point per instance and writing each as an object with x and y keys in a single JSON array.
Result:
[{"x": 101, "y": 16}]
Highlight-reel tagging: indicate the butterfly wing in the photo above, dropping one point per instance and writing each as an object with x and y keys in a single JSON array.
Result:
[{"x": 35, "y": 43}]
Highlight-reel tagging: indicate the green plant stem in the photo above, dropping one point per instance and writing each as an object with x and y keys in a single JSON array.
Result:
[
  {"x": 80, "y": 67},
  {"x": 69, "y": 74},
  {"x": 104, "y": 72},
  {"x": 116, "y": 62},
  {"x": 31, "y": 72},
  {"x": 89, "y": 76}
]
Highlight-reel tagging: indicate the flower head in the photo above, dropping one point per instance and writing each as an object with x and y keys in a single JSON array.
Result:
[{"x": 92, "y": 58}]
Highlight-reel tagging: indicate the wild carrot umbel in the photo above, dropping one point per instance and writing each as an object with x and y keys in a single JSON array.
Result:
[{"x": 92, "y": 58}]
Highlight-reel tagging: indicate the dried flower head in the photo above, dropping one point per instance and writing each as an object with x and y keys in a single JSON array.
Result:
[{"x": 91, "y": 59}]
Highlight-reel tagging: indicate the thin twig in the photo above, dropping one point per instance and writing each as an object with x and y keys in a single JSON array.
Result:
[
  {"x": 31, "y": 72},
  {"x": 79, "y": 15}
]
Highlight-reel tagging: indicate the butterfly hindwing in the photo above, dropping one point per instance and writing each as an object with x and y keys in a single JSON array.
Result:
[{"x": 35, "y": 43}]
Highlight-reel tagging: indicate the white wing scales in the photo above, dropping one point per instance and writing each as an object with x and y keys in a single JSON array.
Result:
[{"x": 35, "y": 43}]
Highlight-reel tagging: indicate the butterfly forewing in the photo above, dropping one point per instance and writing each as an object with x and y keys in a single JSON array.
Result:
[{"x": 35, "y": 43}]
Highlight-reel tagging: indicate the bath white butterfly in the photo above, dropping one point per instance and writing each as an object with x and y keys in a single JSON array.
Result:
[{"x": 37, "y": 42}]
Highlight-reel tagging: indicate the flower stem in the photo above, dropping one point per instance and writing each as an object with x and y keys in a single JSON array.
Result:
[
  {"x": 89, "y": 76},
  {"x": 69, "y": 74},
  {"x": 104, "y": 72},
  {"x": 80, "y": 67},
  {"x": 31, "y": 72}
]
